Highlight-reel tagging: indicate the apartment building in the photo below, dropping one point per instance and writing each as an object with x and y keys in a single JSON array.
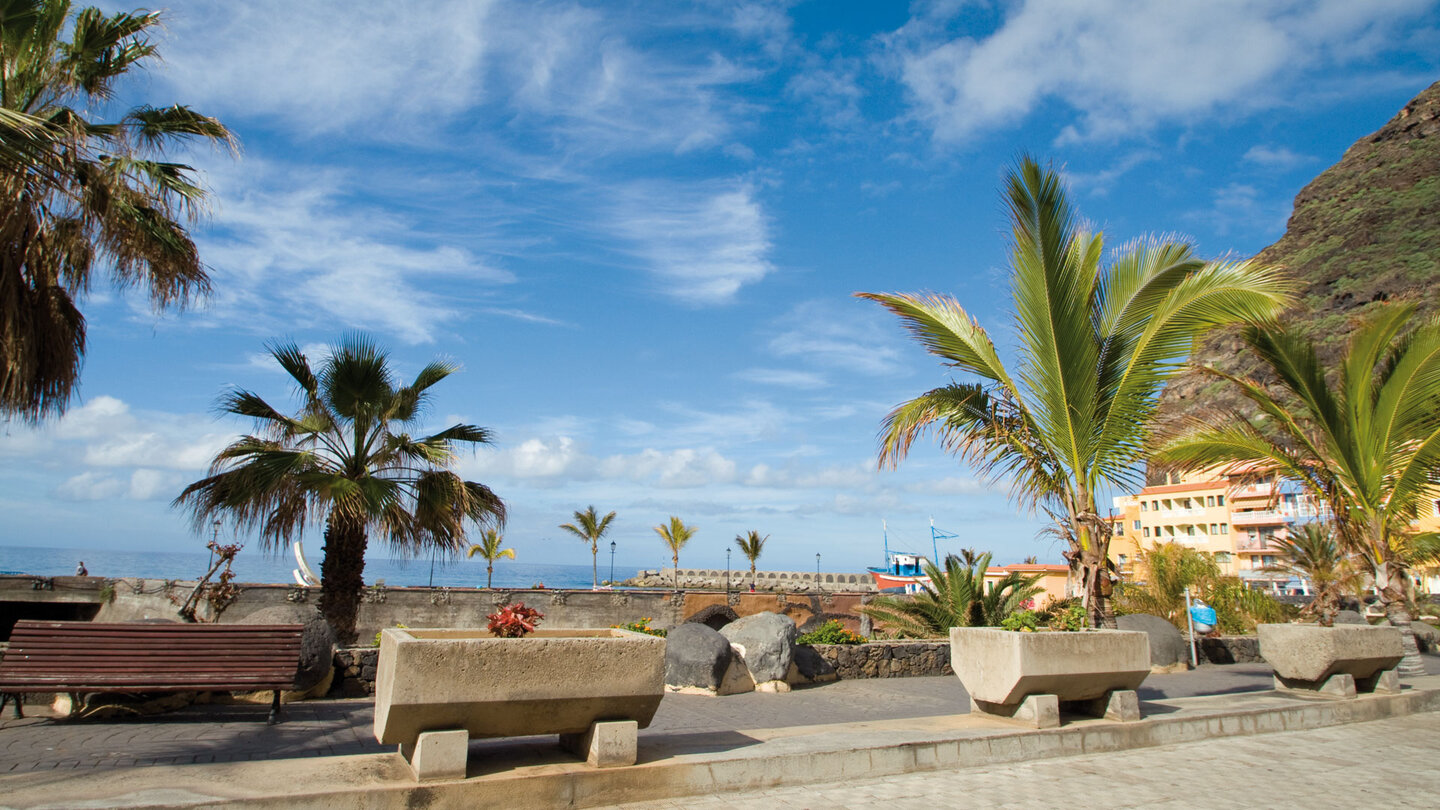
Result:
[{"x": 1238, "y": 522}]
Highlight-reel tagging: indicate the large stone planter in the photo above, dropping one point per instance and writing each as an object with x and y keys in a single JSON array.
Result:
[
  {"x": 1338, "y": 661},
  {"x": 1027, "y": 676},
  {"x": 595, "y": 688}
]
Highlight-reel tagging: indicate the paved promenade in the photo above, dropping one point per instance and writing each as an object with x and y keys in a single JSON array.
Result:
[
  {"x": 1385, "y": 763},
  {"x": 238, "y": 733}
]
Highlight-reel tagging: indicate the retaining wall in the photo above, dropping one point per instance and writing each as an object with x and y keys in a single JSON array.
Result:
[
  {"x": 887, "y": 659},
  {"x": 795, "y": 581}
]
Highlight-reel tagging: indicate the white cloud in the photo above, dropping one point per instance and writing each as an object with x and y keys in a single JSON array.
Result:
[
  {"x": 848, "y": 337},
  {"x": 1127, "y": 65},
  {"x": 701, "y": 243},
  {"x": 948, "y": 486},
  {"x": 1275, "y": 157},
  {"x": 289, "y": 248},
  {"x": 785, "y": 378},
  {"x": 1101, "y": 181},
  {"x": 90, "y": 486}
]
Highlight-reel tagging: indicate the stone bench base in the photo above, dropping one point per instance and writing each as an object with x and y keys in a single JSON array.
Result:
[
  {"x": 1343, "y": 685},
  {"x": 442, "y": 754},
  {"x": 1043, "y": 711}
]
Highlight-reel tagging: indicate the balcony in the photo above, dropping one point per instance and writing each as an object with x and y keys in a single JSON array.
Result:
[
  {"x": 1255, "y": 544},
  {"x": 1174, "y": 514},
  {"x": 1260, "y": 517},
  {"x": 1252, "y": 491}
]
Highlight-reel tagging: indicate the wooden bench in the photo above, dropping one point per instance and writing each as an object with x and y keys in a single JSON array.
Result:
[{"x": 81, "y": 657}]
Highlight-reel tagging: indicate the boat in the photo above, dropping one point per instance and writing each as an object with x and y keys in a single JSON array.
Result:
[{"x": 906, "y": 569}]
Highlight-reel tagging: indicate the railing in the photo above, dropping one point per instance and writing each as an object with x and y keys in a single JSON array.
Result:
[
  {"x": 1171, "y": 514},
  {"x": 1253, "y": 491},
  {"x": 1256, "y": 544},
  {"x": 1259, "y": 517}
]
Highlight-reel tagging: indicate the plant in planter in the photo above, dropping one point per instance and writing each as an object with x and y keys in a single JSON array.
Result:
[
  {"x": 514, "y": 620},
  {"x": 831, "y": 632}
]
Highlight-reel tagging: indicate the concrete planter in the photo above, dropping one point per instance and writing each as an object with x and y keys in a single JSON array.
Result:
[
  {"x": 1026, "y": 676},
  {"x": 1338, "y": 661},
  {"x": 595, "y": 688}
]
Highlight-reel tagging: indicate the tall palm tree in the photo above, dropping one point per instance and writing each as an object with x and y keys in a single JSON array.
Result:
[
  {"x": 590, "y": 527},
  {"x": 970, "y": 556},
  {"x": 676, "y": 534},
  {"x": 77, "y": 192},
  {"x": 955, "y": 597},
  {"x": 489, "y": 549},
  {"x": 751, "y": 544},
  {"x": 1096, "y": 344},
  {"x": 1365, "y": 443},
  {"x": 1311, "y": 554},
  {"x": 345, "y": 458}
]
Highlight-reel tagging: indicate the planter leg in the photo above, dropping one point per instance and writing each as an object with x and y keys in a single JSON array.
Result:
[
  {"x": 1122, "y": 705},
  {"x": 438, "y": 755},
  {"x": 1385, "y": 682},
  {"x": 1037, "y": 711},
  {"x": 610, "y": 744}
]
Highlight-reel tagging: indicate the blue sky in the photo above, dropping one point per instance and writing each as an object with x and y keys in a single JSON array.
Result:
[{"x": 638, "y": 226}]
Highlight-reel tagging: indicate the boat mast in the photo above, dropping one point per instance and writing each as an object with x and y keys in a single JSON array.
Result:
[
  {"x": 885, "y": 532},
  {"x": 937, "y": 534}
]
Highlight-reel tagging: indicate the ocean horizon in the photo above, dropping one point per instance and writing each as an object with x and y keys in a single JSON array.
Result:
[{"x": 262, "y": 568}]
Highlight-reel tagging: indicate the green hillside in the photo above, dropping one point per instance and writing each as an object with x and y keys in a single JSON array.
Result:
[{"x": 1364, "y": 232}]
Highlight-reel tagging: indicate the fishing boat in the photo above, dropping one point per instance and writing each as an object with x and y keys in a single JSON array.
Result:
[{"x": 906, "y": 569}]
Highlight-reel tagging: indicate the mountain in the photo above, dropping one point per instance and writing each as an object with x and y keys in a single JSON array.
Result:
[{"x": 1365, "y": 231}]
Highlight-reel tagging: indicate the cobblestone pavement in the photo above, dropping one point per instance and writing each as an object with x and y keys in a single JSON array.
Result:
[
  {"x": 1386, "y": 763},
  {"x": 227, "y": 733}
]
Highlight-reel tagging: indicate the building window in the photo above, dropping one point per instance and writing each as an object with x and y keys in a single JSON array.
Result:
[
  {"x": 1146, "y": 531},
  {"x": 1155, "y": 505},
  {"x": 1437, "y": 508},
  {"x": 1219, "y": 500},
  {"x": 1224, "y": 528},
  {"x": 1214, "y": 528},
  {"x": 1209, "y": 500},
  {"x": 1137, "y": 524},
  {"x": 1124, "y": 559},
  {"x": 1190, "y": 531},
  {"x": 1145, "y": 507}
]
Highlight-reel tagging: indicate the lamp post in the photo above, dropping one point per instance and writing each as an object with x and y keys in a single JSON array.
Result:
[
  {"x": 817, "y": 570},
  {"x": 612, "y": 563},
  {"x": 727, "y": 572}
]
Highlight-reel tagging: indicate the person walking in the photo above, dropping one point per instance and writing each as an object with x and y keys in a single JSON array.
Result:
[{"x": 81, "y": 570}]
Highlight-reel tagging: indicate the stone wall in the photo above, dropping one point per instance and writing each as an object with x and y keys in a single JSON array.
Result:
[
  {"x": 355, "y": 672},
  {"x": 887, "y": 659},
  {"x": 739, "y": 579},
  {"x": 132, "y": 599},
  {"x": 1230, "y": 650}
]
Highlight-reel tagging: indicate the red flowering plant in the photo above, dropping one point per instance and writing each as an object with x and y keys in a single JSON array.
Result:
[{"x": 514, "y": 620}]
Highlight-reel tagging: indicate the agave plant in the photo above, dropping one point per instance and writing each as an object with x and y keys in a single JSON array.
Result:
[{"x": 955, "y": 597}]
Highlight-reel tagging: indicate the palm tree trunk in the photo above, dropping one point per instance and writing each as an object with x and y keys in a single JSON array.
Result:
[
  {"x": 752, "y": 573},
  {"x": 1098, "y": 588},
  {"x": 1397, "y": 611},
  {"x": 342, "y": 576},
  {"x": 676, "y": 558},
  {"x": 594, "y": 566},
  {"x": 490, "y": 575}
]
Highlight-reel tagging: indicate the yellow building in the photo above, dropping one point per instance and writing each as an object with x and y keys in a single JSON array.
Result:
[{"x": 1237, "y": 521}]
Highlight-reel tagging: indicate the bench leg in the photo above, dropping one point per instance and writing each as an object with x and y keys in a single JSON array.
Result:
[
  {"x": 4, "y": 696},
  {"x": 274, "y": 709}
]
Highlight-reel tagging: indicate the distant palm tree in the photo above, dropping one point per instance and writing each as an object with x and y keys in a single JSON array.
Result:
[
  {"x": 1312, "y": 554},
  {"x": 489, "y": 549},
  {"x": 1364, "y": 441},
  {"x": 970, "y": 556},
  {"x": 590, "y": 527},
  {"x": 1097, "y": 344},
  {"x": 751, "y": 544},
  {"x": 1032, "y": 560},
  {"x": 676, "y": 535},
  {"x": 956, "y": 597},
  {"x": 345, "y": 456},
  {"x": 80, "y": 193}
]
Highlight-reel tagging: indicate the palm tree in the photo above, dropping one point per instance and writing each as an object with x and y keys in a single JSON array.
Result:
[
  {"x": 970, "y": 556},
  {"x": 79, "y": 192},
  {"x": 489, "y": 549},
  {"x": 1096, "y": 346},
  {"x": 1168, "y": 569},
  {"x": 1366, "y": 444},
  {"x": 591, "y": 527},
  {"x": 955, "y": 597},
  {"x": 751, "y": 544},
  {"x": 1312, "y": 554},
  {"x": 345, "y": 458},
  {"x": 676, "y": 535}
]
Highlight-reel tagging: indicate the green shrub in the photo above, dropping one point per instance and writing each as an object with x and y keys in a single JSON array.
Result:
[
  {"x": 831, "y": 632},
  {"x": 378, "y": 632},
  {"x": 640, "y": 626},
  {"x": 1024, "y": 621}
]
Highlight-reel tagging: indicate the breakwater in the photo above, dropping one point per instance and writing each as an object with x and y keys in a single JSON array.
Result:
[{"x": 738, "y": 579}]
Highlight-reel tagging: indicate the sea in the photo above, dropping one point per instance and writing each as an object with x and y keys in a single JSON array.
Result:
[{"x": 257, "y": 568}]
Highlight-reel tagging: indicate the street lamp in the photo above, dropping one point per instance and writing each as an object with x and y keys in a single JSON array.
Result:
[
  {"x": 727, "y": 572},
  {"x": 817, "y": 570},
  {"x": 612, "y": 563}
]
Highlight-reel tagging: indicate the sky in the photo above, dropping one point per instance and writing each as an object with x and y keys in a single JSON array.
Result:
[{"x": 638, "y": 228}]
